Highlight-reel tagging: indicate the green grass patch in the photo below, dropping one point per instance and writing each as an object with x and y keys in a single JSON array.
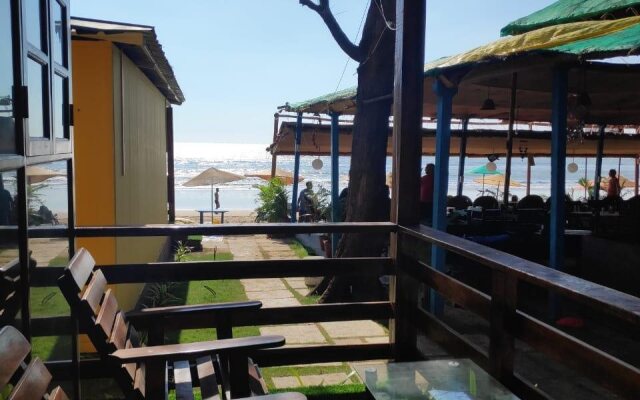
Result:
[
  {"x": 273, "y": 372},
  {"x": 322, "y": 391},
  {"x": 197, "y": 238},
  {"x": 218, "y": 291},
  {"x": 208, "y": 256},
  {"x": 304, "y": 300},
  {"x": 301, "y": 250},
  {"x": 61, "y": 260}
]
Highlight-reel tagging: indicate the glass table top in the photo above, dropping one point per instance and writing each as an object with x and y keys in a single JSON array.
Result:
[{"x": 452, "y": 379}]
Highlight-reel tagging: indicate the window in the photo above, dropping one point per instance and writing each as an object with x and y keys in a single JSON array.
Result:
[{"x": 7, "y": 120}]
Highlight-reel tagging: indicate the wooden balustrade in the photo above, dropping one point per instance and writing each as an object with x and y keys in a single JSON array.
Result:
[{"x": 507, "y": 323}]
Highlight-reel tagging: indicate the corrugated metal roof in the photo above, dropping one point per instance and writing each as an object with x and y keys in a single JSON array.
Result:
[{"x": 147, "y": 54}]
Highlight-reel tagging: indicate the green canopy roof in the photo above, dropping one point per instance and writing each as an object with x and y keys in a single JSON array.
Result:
[
  {"x": 564, "y": 11},
  {"x": 578, "y": 41}
]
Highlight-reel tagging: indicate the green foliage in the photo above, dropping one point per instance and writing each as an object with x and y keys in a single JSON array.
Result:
[
  {"x": 161, "y": 295},
  {"x": 586, "y": 184},
  {"x": 181, "y": 252},
  {"x": 321, "y": 204},
  {"x": 272, "y": 202},
  {"x": 321, "y": 391},
  {"x": 300, "y": 250}
]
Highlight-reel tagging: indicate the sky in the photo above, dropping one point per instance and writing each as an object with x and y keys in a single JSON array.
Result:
[{"x": 238, "y": 60}]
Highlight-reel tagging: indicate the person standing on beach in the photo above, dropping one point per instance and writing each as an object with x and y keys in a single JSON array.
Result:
[
  {"x": 305, "y": 203},
  {"x": 426, "y": 193},
  {"x": 216, "y": 198}
]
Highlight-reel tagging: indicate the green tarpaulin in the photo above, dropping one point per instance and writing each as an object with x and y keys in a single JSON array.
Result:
[{"x": 565, "y": 11}]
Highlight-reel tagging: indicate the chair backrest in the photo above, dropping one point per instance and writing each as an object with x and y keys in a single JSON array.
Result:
[
  {"x": 531, "y": 201},
  {"x": 459, "y": 202},
  {"x": 486, "y": 202},
  {"x": 28, "y": 380},
  {"x": 97, "y": 310},
  {"x": 9, "y": 295}
]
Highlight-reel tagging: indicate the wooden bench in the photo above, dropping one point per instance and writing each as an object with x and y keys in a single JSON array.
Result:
[
  {"x": 145, "y": 372},
  {"x": 28, "y": 380}
]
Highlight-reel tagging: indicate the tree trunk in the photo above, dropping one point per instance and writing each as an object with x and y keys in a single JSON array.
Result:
[{"x": 367, "y": 192}]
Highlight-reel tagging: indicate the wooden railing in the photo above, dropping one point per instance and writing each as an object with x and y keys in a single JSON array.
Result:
[
  {"x": 499, "y": 306},
  {"x": 506, "y": 322},
  {"x": 194, "y": 271}
]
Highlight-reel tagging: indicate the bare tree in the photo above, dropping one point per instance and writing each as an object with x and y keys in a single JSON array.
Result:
[{"x": 367, "y": 192}]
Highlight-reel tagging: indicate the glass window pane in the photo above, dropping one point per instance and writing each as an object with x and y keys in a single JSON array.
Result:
[
  {"x": 58, "y": 106},
  {"x": 59, "y": 31},
  {"x": 36, "y": 99},
  {"x": 7, "y": 123},
  {"x": 47, "y": 201},
  {"x": 33, "y": 21}
]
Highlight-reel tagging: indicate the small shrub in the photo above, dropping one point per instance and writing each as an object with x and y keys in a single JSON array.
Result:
[{"x": 272, "y": 202}]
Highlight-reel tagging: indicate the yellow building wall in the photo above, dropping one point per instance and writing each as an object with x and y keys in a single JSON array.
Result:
[
  {"x": 94, "y": 143},
  {"x": 141, "y": 165}
]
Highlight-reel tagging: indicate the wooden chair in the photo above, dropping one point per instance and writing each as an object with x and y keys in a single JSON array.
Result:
[
  {"x": 9, "y": 295},
  {"x": 29, "y": 381},
  {"x": 145, "y": 372}
]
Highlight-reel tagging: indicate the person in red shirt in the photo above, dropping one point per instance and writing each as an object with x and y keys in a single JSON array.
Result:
[
  {"x": 613, "y": 189},
  {"x": 426, "y": 192}
]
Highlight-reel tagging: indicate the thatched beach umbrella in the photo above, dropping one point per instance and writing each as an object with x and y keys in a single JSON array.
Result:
[
  {"x": 37, "y": 174},
  {"x": 285, "y": 176},
  {"x": 211, "y": 177}
]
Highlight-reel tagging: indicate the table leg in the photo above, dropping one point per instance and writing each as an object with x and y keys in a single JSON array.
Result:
[
  {"x": 201, "y": 217},
  {"x": 222, "y": 218}
]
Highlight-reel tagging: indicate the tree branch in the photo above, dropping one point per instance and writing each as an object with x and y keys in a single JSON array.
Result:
[{"x": 322, "y": 8}]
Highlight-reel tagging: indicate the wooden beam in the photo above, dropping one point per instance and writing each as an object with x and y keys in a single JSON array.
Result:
[
  {"x": 510, "y": 134},
  {"x": 408, "y": 93},
  {"x": 274, "y": 156},
  {"x": 335, "y": 177}
]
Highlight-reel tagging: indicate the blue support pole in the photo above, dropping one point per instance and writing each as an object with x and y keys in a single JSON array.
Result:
[
  {"x": 441, "y": 180},
  {"x": 558, "y": 161},
  {"x": 335, "y": 177},
  {"x": 296, "y": 169}
]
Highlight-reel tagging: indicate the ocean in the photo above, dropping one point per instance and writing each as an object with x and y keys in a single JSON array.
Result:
[{"x": 193, "y": 158}]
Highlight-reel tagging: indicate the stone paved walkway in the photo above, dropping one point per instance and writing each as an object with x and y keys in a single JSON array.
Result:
[{"x": 285, "y": 292}]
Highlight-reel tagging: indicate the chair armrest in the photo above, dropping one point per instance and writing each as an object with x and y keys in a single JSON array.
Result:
[
  {"x": 278, "y": 396},
  {"x": 189, "y": 351},
  {"x": 144, "y": 318}
]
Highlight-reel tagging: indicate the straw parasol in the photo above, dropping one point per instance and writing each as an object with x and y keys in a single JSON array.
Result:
[
  {"x": 624, "y": 183},
  {"x": 482, "y": 170},
  {"x": 497, "y": 180},
  {"x": 210, "y": 177},
  {"x": 285, "y": 176},
  {"x": 37, "y": 174}
]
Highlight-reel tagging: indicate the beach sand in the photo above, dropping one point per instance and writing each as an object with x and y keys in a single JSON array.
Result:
[{"x": 230, "y": 217}]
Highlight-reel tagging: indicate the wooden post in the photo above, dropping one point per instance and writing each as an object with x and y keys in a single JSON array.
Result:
[
  {"x": 445, "y": 96},
  {"x": 503, "y": 315},
  {"x": 599, "y": 152},
  {"x": 335, "y": 177},
  {"x": 407, "y": 154},
  {"x": 558, "y": 160},
  {"x": 171, "y": 179},
  {"x": 462, "y": 156},
  {"x": 296, "y": 168},
  {"x": 274, "y": 158},
  {"x": 529, "y": 165},
  {"x": 75, "y": 327},
  {"x": 510, "y": 133},
  {"x": 637, "y": 174}
]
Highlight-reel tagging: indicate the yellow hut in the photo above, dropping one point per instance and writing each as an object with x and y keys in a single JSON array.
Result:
[{"x": 123, "y": 89}]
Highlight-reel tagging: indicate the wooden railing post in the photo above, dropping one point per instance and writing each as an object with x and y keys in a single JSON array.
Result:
[
  {"x": 504, "y": 295},
  {"x": 156, "y": 382},
  {"x": 408, "y": 93}
]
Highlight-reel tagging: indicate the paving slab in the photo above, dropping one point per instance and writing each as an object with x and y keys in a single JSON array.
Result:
[
  {"x": 324, "y": 379},
  {"x": 287, "y": 302},
  {"x": 269, "y": 294},
  {"x": 302, "y": 292},
  {"x": 377, "y": 340},
  {"x": 258, "y": 285},
  {"x": 296, "y": 283},
  {"x": 283, "y": 382},
  {"x": 347, "y": 341},
  {"x": 353, "y": 329},
  {"x": 295, "y": 334}
]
